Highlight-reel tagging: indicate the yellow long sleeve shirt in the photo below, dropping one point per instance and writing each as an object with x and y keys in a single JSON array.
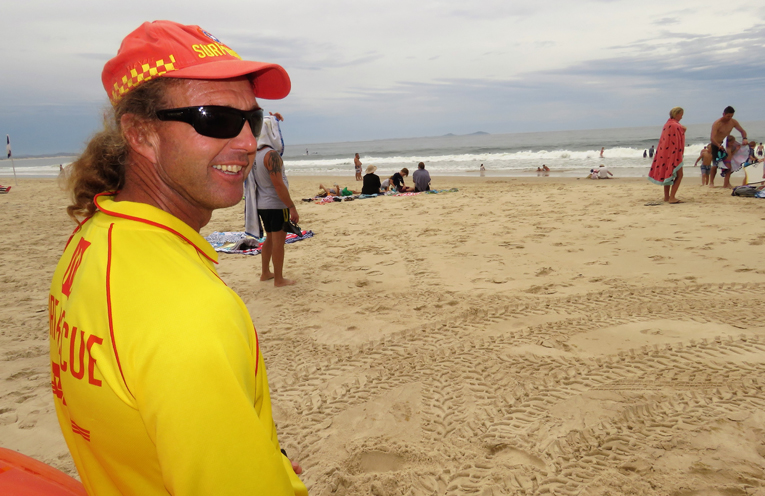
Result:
[{"x": 159, "y": 384}]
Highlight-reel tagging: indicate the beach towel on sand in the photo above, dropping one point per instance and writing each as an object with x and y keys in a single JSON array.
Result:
[
  {"x": 244, "y": 244},
  {"x": 669, "y": 155},
  {"x": 323, "y": 200}
]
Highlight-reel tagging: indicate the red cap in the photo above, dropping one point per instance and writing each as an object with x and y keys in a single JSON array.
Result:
[{"x": 169, "y": 49}]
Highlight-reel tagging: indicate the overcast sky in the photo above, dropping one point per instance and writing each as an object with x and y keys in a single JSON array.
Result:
[{"x": 403, "y": 68}]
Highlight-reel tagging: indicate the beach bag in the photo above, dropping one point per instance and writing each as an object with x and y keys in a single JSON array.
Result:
[{"x": 748, "y": 191}]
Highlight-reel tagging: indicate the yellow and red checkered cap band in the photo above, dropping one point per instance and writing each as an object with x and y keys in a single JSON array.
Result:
[
  {"x": 147, "y": 72},
  {"x": 169, "y": 49}
]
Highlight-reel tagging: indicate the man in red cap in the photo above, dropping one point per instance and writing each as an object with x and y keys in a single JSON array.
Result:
[{"x": 159, "y": 384}]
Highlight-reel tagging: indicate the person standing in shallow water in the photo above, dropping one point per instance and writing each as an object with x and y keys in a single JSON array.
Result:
[{"x": 667, "y": 166}]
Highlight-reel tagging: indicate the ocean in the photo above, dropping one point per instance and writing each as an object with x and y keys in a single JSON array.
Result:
[{"x": 566, "y": 153}]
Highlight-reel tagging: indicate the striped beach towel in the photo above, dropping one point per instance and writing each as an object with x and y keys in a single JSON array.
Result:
[{"x": 243, "y": 244}]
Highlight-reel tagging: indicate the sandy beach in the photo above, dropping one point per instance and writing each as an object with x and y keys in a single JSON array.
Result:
[{"x": 519, "y": 336}]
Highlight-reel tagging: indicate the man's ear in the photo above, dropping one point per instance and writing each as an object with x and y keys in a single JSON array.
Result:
[{"x": 140, "y": 136}]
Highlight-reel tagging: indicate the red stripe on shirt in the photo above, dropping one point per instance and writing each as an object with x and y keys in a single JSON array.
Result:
[
  {"x": 79, "y": 430},
  {"x": 79, "y": 226},
  {"x": 149, "y": 222},
  {"x": 109, "y": 306},
  {"x": 257, "y": 350}
]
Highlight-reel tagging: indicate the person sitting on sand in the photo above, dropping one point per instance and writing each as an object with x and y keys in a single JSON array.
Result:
[
  {"x": 421, "y": 178},
  {"x": 398, "y": 181},
  {"x": 603, "y": 172},
  {"x": 371, "y": 182},
  {"x": 545, "y": 168}
]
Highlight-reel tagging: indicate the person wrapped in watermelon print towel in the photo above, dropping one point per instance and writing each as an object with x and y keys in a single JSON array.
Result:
[{"x": 667, "y": 166}]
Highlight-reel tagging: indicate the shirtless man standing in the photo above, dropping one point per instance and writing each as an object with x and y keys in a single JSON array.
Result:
[
  {"x": 720, "y": 130},
  {"x": 357, "y": 166},
  {"x": 706, "y": 162}
]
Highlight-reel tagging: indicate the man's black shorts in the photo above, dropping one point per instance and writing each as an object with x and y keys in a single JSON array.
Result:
[
  {"x": 274, "y": 218},
  {"x": 717, "y": 154}
]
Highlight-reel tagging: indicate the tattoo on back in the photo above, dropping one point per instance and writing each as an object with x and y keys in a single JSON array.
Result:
[{"x": 273, "y": 162}]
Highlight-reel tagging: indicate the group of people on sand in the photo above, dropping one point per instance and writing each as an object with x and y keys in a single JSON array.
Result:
[
  {"x": 600, "y": 172},
  {"x": 667, "y": 166},
  {"x": 732, "y": 148},
  {"x": 373, "y": 185}
]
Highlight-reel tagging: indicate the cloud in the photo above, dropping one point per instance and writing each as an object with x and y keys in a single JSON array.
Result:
[
  {"x": 102, "y": 57},
  {"x": 666, "y": 20},
  {"x": 497, "y": 9},
  {"x": 682, "y": 56},
  {"x": 299, "y": 53}
]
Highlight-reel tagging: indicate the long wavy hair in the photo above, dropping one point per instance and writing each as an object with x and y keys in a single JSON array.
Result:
[{"x": 101, "y": 167}]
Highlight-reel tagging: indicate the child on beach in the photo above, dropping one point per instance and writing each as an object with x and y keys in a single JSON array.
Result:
[
  {"x": 731, "y": 147},
  {"x": 706, "y": 164},
  {"x": 398, "y": 181}
]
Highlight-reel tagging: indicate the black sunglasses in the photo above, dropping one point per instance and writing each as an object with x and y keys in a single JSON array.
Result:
[{"x": 215, "y": 121}]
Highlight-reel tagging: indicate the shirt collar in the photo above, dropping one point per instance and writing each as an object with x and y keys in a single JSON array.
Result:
[{"x": 148, "y": 214}]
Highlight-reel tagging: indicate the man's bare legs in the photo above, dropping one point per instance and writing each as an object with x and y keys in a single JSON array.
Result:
[
  {"x": 712, "y": 174},
  {"x": 273, "y": 249}
]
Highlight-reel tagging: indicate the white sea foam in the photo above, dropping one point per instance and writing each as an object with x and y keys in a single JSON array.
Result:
[
  {"x": 567, "y": 153},
  {"x": 629, "y": 160}
]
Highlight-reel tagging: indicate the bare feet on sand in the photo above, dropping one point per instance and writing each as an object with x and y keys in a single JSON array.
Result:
[{"x": 277, "y": 282}]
